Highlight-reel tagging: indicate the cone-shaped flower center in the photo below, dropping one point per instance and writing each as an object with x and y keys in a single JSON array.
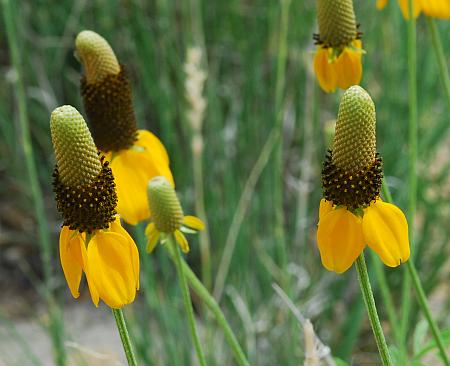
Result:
[
  {"x": 76, "y": 155},
  {"x": 337, "y": 24},
  {"x": 165, "y": 207},
  {"x": 96, "y": 55},
  {"x": 352, "y": 173},
  {"x": 354, "y": 146},
  {"x": 106, "y": 94},
  {"x": 83, "y": 182}
]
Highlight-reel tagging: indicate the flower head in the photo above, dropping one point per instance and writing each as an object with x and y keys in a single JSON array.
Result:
[
  {"x": 167, "y": 215},
  {"x": 351, "y": 214},
  {"x": 432, "y": 8},
  {"x": 135, "y": 155},
  {"x": 337, "y": 62},
  {"x": 91, "y": 239}
]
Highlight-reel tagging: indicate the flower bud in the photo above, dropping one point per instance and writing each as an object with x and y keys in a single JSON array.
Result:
[{"x": 165, "y": 207}]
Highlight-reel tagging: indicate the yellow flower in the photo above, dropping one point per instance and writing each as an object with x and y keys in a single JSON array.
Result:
[
  {"x": 136, "y": 156},
  {"x": 342, "y": 234},
  {"x": 167, "y": 216},
  {"x": 337, "y": 62},
  {"x": 110, "y": 260},
  {"x": 432, "y": 8},
  {"x": 351, "y": 214},
  {"x": 92, "y": 239}
]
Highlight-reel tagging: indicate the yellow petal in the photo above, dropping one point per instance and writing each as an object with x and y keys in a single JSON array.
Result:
[
  {"x": 72, "y": 256},
  {"x": 349, "y": 66},
  {"x": 132, "y": 169},
  {"x": 340, "y": 239},
  {"x": 117, "y": 228},
  {"x": 194, "y": 222},
  {"x": 150, "y": 142},
  {"x": 110, "y": 267},
  {"x": 325, "y": 207},
  {"x": 381, "y": 4},
  {"x": 386, "y": 231},
  {"x": 325, "y": 71},
  {"x": 152, "y": 237},
  {"x": 405, "y": 8},
  {"x": 436, "y": 8},
  {"x": 181, "y": 239}
]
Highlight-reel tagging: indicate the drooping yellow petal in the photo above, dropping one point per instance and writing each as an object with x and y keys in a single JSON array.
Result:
[
  {"x": 381, "y": 4},
  {"x": 72, "y": 256},
  {"x": 405, "y": 8},
  {"x": 150, "y": 142},
  {"x": 110, "y": 267},
  {"x": 132, "y": 169},
  {"x": 325, "y": 70},
  {"x": 181, "y": 239},
  {"x": 386, "y": 232},
  {"x": 325, "y": 207},
  {"x": 117, "y": 228},
  {"x": 349, "y": 66},
  {"x": 436, "y": 8},
  {"x": 152, "y": 237},
  {"x": 194, "y": 222},
  {"x": 340, "y": 239}
]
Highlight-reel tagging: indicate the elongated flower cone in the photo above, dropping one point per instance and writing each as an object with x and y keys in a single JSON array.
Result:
[
  {"x": 165, "y": 207},
  {"x": 352, "y": 173},
  {"x": 354, "y": 145},
  {"x": 76, "y": 154},
  {"x": 106, "y": 94},
  {"x": 337, "y": 24},
  {"x": 83, "y": 182}
]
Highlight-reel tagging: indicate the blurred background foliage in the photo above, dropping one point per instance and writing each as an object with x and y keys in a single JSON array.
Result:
[{"x": 241, "y": 40}]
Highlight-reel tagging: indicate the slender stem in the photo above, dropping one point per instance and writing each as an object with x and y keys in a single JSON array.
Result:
[
  {"x": 187, "y": 300},
  {"x": 212, "y": 304},
  {"x": 421, "y": 296},
  {"x": 367, "y": 293},
  {"x": 412, "y": 168},
  {"x": 280, "y": 238},
  {"x": 437, "y": 44},
  {"x": 124, "y": 337},
  {"x": 55, "y": 326}
]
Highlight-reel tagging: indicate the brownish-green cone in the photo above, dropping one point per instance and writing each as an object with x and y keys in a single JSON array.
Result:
[
  {"x": 352, "y": 173},
  {"x": 164, "y": 205},
  {"x": 337, "y": 24},
  {"x": 106, "y": 94},
  {"x": 83, "y": 182}
]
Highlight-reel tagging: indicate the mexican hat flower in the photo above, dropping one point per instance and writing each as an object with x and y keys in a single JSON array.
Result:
[
  {"x": 167, "y": 216},
  {"x": 135, "y": 156},
  {"x": 351, "y": 213},
  {"x": 432, "y": 8},
  {"x": 92, "y": 239},
  {"x": 337, "y": 62}
]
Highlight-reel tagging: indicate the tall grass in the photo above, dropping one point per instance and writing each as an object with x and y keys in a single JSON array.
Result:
[{"x": 241, "y": 43}]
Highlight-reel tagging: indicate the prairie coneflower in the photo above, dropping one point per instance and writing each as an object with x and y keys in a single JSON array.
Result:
[
  {"x": 432, "y": 8},
  {"x": 351, "y": 213},
  {"x": 167, "y": 216},
  {"x": 337, "y": 62},
  {"x": 92, "y": 239},
  {"x": 135, "y": 155}
]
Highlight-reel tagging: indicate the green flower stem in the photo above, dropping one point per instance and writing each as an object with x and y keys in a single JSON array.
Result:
[
  {"x": 212, "y": 304},
  {"x": 124, "y": 337},
  {"x": 412, "y": 168},
  {"x": 364, "y": 282},
  {"x": 187, "y": 300},
  {"x": 55, "y": 327},
  {"x": 421, "y": 296},
  {"x": 437, "y": 44}
]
